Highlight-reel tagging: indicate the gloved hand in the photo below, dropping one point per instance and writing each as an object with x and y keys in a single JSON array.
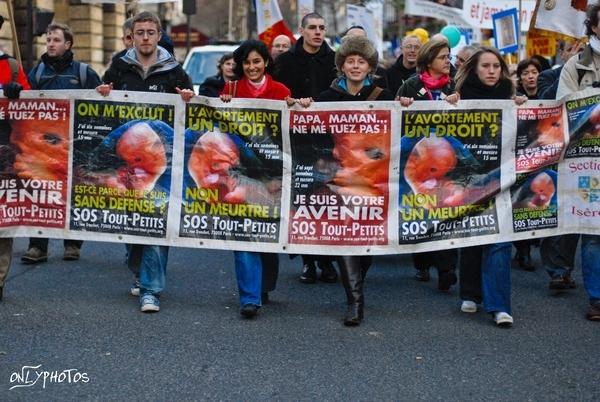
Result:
[{"x": 12, "y": 90}]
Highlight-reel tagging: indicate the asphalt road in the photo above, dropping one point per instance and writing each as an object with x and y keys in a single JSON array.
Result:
[{"x": 77, "y": 318}]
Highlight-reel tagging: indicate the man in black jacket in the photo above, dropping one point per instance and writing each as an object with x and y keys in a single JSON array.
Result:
[
  {"x": 308, "y": 68},
  {"x": 150, "y": 68},
  {"x": 405, "y": 66}
]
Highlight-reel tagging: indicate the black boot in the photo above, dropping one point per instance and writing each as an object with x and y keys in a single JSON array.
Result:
[
  {"x": 328, "y": 272},
  {"x": 523, "y": 256},
  {"x": 352, "y": 274},
  {"x": 309, "y": 271}
]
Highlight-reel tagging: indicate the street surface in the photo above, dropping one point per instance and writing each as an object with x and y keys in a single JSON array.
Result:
[{"x": 414, "y": 343}]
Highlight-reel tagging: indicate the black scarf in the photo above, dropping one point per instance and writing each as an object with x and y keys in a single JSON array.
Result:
[
  {"x": 473, "y": 88},
  {"x": 59, "y": 63}
]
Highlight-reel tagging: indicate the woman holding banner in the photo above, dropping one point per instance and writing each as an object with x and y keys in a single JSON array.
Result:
[
  {"x": 432, "y": 82},
  {"x": 356, "y": 59},
  {"x": 485, "y": 270},
  {"x": 256, "y": 272},
  {"x": 528, "y": 71}
]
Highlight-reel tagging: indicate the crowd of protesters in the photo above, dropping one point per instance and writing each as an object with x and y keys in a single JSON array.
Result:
[{"x": 310, "y": 71}]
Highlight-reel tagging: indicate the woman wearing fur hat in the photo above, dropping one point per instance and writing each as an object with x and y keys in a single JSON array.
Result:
[
  {"x": 356, "y": 59},
  {"x": 432, "y": 82}
]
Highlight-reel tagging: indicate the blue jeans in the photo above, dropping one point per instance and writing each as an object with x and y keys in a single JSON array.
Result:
[
  {"x": 248, "y": 271},
  {"x": 485, "y": 276},
  {"x": 590, "y": 266},
  {"x": 152, "y": 268}
]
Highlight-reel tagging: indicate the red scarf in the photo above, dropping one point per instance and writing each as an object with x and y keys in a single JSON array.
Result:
[{"x": 433, "y": 83}]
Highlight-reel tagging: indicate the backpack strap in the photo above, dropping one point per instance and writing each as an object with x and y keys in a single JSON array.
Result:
[
  {"x": 83, "y": 74},
  {"x": 374, "y": 94},
  {"x": 14, "y": 69},
  {"x": 38, "y": 73}
]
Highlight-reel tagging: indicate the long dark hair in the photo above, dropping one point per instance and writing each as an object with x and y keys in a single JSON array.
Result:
[{"x": 470, "y": 66}]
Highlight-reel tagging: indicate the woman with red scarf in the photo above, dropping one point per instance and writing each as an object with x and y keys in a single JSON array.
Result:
[
  {"x": 432, "y": 82},
  {"x": 256, "y": 272}
]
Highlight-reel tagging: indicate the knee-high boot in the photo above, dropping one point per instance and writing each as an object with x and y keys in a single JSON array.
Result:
[{"x": 352, "y": 273}]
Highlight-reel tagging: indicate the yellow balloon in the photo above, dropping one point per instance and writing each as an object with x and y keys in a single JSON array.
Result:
[{"x": 422, "y": 34}]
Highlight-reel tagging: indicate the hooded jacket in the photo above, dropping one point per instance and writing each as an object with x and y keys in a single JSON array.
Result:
[
  {"x": 305, "y": 74},
  {"x": 127, "y": 74}
]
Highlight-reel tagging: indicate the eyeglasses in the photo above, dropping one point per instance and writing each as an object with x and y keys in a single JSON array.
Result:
[
  {"x": 444, "y": 57},
  {"x": 411, "y": 47}
]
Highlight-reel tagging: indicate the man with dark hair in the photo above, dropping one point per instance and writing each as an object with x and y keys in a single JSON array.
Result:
[
  {"x": 150, "y": 68},
  {"x": 58, "y": 70},
  {"x": 558, "y": 253},
  {"x": 308, "y": 69},
  {"x": 12, "y": 81}
]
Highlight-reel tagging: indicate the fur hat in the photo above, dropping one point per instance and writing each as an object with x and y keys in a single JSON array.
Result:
[{"x": 356, "y": 45}]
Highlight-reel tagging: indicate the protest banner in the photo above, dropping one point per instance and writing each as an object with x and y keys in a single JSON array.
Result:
[
  {"x": 340, "y": 165},
  {"x": 34, "y": 148},
  {"x": 257, "y": 175},
  {"x": 232, "y": 176},
  {"x": 449, "y": 174},
  {"x": 122, "y": 155},
  {"x": 540, "y": 137}
]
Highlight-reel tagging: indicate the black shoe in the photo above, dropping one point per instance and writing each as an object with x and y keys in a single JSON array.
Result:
[
  {"x": 446, "y": 280},
  {"x": 562, "y": 283},
  {"x": 524, "y": 261},
  {"x": 249, "y": 310},
  {"x": 309, "y": 274},
  {"x": 354, "y": 315},
  {"x": 264, "y": 297},
  {"x": 422, "y": 275},
  {"x": 593, "y": 313},
  {"x": 1, "y": 291},
  {"x": 328, "y": 272}
]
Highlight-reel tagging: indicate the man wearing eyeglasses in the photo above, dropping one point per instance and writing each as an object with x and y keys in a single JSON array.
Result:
[
  {"x": 147, "y": 67},
  {"x": 406, "y": 65}
]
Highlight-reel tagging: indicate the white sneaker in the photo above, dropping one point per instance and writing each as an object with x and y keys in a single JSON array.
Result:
[
  {"x": 503, "y": 319},
  {"x": 468, "y": 306}
]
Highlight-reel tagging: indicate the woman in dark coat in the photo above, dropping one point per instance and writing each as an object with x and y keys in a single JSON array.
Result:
[
  {"x": 356, "y": 59},
  {"x": 485, "y": 270},
  {"x": 432, "y": 82}
]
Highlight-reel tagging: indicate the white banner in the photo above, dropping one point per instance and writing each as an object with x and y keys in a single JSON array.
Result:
[{"x": 350, "y": 178}]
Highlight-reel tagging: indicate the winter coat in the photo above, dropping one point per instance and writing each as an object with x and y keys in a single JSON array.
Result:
[
  {"x": 305, "y": 74},
  {"x": 397, "y": 74},
  {"x": 414, "y": 88},
  {"x": 6, "y": 73},
  {"x": 337, "y": 94},
  {"x": 244, "y": 89},
  {"x": 212, "y": 86},
  {"x": 67, "y": 77},
  {"x": 127, "y": 74},
  {"x": 547, "y": 83},
  {"x": 570, "y": 79}
]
